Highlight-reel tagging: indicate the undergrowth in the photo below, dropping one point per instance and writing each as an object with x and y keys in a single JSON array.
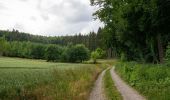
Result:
[{"x": 152, "y": 80}]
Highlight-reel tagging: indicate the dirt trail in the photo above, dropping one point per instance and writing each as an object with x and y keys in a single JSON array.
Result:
[
  {"x": 126, "y": 91},
  {"x": 98, "y": 91}
]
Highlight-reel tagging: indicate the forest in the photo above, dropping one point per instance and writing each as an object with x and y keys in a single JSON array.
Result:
[
  {"x": 136, "y": 29},
  {"x": 61, "y": 48}
]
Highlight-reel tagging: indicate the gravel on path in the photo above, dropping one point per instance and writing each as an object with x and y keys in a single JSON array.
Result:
[
  {"x": 127, "y": 92},
  {"x": 98, "y": 90}
]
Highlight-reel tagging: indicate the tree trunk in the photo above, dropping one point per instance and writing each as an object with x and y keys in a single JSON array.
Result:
[
  {"x": 109, "y": 53},
  {"x": 160, "y": 48}
]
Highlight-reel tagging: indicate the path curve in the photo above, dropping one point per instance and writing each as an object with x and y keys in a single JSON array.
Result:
[
  {"x": 98, "y": 91},
  {"x": 127, "y": 92}
]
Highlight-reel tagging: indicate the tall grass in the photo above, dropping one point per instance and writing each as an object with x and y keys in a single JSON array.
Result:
[
  {"x": 153, "y": 81},
  {"x": 51, "y": 82},
  {"x": 109, "y": 87}
]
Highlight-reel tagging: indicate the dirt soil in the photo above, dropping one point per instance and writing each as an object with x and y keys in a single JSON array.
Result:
[{"x": 98, "y": 90}]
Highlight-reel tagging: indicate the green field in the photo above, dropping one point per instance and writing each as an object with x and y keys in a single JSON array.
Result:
[{"x": 38, "y": 79}]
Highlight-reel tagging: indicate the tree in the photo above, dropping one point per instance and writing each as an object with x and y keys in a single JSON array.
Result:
[
  {"x": 53, "y": 53},
  {"x": 98, "y": 53},
  {"x": 38, "y": 51},
  {"x": 101, "y": 53},
  {"x": 82, "y": 52},
  {"x": 2, "y": 45},
  {"x": 91, "y": 40},
  {"x": 94, "y": 56},
  {"x": 162, "y": 26},
  {"x": 135, "y": 27},
  {"x": 77, "y": 53},
  {"x": 110, "y": 13},
  {"x": 167, "y": 57}
]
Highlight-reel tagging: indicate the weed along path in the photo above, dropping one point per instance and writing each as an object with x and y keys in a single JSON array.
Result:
[
  {"x": 98, "y": 91},
  {"x": 126, "y": 91}
]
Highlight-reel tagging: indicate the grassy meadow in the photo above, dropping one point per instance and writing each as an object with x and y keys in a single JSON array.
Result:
[
  {"x": 153, "y": 81},
  {"x": 25, "y": 79}
]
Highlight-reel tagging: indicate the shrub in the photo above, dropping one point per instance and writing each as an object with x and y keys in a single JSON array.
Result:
[{"x": 149, "y": 79}]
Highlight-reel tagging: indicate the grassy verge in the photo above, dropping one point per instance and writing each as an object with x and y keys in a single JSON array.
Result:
[
  {"x": 153, "y": 81},
  {"x": 110, "y": 89},
  {"x": 23, "y": 79}
]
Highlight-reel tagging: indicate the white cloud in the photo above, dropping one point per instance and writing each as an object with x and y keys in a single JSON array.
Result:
[{"x": 48, "y": 17}]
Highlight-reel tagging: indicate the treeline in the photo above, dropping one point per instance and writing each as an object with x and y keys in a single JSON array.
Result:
[
  {"x": 49, "y": 52},
  {"x": 135, "y": 29},
  {"x": 91, "y": 41}
]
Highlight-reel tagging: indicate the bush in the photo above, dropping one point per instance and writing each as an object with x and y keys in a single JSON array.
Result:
[{"x": 151, "y": 80}]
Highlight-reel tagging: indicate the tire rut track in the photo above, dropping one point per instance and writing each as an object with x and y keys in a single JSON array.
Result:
[
  {"x": 127, "y": 92},
  {"x": 98, "y": 91}
]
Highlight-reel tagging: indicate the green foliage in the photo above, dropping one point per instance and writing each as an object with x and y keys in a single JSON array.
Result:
[
  {"x": 97, "y": 54},
  {"x": 50, "y": 52},
  {"x": 94, "y": 56},
  {"x": 123, "y": 57},
  {"x": 101, "y": 53},
  {"x": 25, "y": 50},
  {"x": 64, "y": 55},
  {"x": 77, "y": 53},
  {"x": 38, "y": 51},
  {"x": 151, "y": 80},
  {"x": 91, "y": 40},
  {"x": 139, "y": 28},
  {"x": 110, "y": 89},
  {"x": 53, "y": 53},
  {"x": 3, "y": 45}
]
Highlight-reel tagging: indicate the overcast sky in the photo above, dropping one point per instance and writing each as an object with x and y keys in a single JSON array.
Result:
[{"x": 48, "y": 17}]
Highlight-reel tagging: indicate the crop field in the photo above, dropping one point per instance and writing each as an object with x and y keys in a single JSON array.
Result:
[{"x": 40, "y": 80}]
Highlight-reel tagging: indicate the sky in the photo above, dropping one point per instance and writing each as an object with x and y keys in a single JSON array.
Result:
[{"x": 48, "y": 17}]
